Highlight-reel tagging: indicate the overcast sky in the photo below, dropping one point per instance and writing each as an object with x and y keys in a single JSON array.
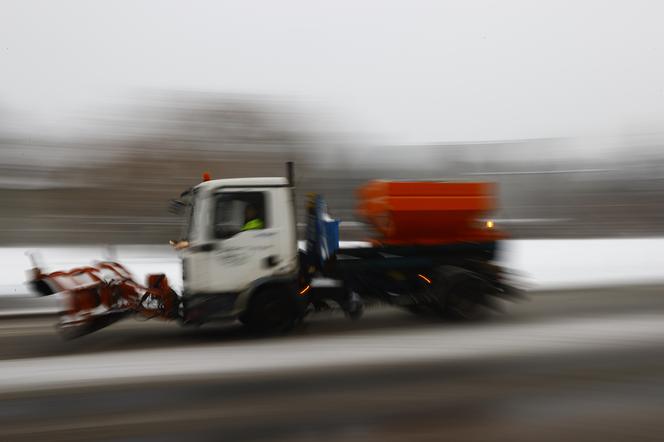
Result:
[{"x": 404, "y": 71}]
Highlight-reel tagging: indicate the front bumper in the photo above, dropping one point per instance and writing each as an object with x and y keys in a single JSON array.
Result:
[{"x": 206, "y": 307}]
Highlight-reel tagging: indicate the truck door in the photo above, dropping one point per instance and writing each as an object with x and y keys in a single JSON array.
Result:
[{"x": 246, "y": 240}]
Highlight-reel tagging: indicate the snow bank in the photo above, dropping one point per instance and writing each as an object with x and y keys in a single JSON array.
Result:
[{"x": 542, "y": 264}]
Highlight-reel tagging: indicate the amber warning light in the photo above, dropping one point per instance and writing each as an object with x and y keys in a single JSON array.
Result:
[{"x": 206, "y": 176}]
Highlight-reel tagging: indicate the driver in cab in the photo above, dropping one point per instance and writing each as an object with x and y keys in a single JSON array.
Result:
[{"x": 251, "y": 219}]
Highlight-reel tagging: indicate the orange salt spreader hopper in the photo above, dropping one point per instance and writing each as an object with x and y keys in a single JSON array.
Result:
[{"x": 428, "y": 212}]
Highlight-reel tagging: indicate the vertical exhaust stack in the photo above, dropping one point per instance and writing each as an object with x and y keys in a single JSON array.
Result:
[
  {"x": 290, "y": 173},
  {"x": 290, "y": 176}
]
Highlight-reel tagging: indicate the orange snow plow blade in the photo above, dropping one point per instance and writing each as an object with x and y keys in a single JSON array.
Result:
[
  {"x": 428, "y": 212},
  {"x": 93, "y": 297}
]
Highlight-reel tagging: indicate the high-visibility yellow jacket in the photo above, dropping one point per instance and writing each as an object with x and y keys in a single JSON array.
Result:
[{"x": 253, "y": 224}]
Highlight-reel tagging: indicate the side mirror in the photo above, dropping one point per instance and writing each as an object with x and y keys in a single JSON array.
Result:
[
  {"x": 176, "y": 207},
  {"x": 179, "y": 244}
]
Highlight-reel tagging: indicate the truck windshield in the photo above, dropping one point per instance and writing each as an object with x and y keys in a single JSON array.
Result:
[
  {"x": 188, "y": 229},
  {"x": 236, "y": 212},
  {"x": 183, "y": 207}
]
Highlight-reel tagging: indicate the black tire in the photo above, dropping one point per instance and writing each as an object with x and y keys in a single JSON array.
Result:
[
  {"x": 272, "y": 310},
  {"x": 462, "y": 293},
  {"x": 430, "y": 303}
]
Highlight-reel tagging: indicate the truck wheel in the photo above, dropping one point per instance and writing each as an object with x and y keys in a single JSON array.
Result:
[
  {"x": 354, "y": 306},
  {"x": 429, "y": 303},
  {"x": 271, "y": 311},
  {"x": 463, "y": 293}
]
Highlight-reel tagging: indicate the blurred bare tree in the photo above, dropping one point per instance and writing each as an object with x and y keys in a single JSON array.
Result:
[{"x": 116, "y": 187}]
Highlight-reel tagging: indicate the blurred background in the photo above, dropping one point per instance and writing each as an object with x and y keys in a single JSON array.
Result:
[
  {"x": 107, "y": 114},
  {"x": 112, "y": 182},
  {"x": 110, "y": 109}
]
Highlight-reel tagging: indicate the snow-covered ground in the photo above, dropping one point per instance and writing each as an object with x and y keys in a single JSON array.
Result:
[
  {"x": 542, "y": 264},
  {"x": 551, "y": 264}
]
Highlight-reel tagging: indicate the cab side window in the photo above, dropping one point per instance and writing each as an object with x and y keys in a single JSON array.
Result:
[{"x": 236, "y": 212}]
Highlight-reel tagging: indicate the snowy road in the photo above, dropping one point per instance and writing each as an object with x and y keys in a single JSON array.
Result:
[{"x": 580, "y": 364}]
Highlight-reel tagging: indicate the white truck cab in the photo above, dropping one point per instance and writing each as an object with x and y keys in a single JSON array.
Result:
[{"x": 242, "y": 235}]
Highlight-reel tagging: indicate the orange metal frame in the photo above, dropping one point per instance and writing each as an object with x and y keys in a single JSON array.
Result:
[{"x": 87, "y": 292}]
